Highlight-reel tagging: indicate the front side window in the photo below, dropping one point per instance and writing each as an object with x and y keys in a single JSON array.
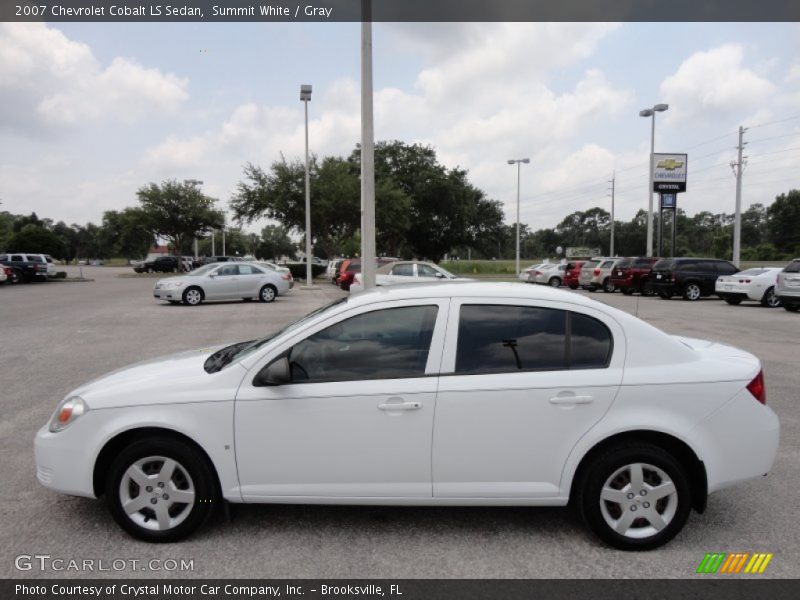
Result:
[
  {"x": 383, "y": 344},
  {"x": 228, "y": 270},
  {"x": 507, "y": 339},
  {"x": 426, "y": 271}
]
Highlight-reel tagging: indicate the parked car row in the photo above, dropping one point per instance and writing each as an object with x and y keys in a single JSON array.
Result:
[
  {"x": 164, "y": 263},
  {"x": 26, "y": 267},
  {"x": 407, "y": 271},
  {"x": 688, "y": 277}
]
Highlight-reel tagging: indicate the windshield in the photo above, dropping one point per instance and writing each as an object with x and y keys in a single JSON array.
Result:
[{"x": 229, "y": 354}]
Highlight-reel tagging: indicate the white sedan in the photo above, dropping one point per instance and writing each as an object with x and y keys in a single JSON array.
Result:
[
  {"x": 407, "y": 271},
  {"x": 225, "y": 281},
  {"x": 753, "y": 284},
  {"x": 490, "y": 394}
]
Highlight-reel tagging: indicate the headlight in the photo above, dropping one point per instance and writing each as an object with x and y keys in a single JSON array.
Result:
[
  {"x": 172, "y": 284},
  {"x": 68, "y": 411}
]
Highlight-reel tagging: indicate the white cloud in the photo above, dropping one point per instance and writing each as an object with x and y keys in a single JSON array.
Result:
[
  {"x": 48, "y": 79},
  {"x": 714, "y": 81}
]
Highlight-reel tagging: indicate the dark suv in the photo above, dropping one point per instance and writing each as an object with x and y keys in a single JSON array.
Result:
[
  {"x": 689, "y": 277},
  {"x": 161, "y": 264},
  {"x": 24, "y": 267},
  {"x": 630, "y": 274}
]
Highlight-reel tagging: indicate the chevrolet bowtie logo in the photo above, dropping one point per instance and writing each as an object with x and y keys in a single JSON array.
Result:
[{"x": 669, "y": 164}]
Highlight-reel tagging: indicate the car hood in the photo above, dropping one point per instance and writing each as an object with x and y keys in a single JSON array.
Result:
[{"x": 175, "y": 378}]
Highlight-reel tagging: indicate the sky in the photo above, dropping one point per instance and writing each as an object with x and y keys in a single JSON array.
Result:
[{"x": 93, "y": 111}]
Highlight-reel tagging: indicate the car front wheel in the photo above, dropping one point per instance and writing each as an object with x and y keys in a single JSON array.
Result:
[
  {"x": 691, "y": 292},
  {"x": 634, "y": 496},
  {"x": 192, "y": 296},
  {"x": 554, "y": 282},
  {"x": 161, "y": 490}
]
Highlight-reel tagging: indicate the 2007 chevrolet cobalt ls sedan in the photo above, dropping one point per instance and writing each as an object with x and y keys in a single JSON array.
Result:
[{"x": 455, "y": 394}]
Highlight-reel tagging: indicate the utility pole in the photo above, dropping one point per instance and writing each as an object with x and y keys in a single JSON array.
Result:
[
  {"x": 612, "y": 182},
  {"x": 738, "y": 167},
  {"x": 367, "y": 151}
]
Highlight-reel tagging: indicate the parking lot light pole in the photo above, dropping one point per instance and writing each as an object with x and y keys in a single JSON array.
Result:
[
  {"x": 651, "y": 113},
  {"x": 518, "y": 162},
  {"x": 193, "y": 182},
  {"x": 305, "y": 97}
]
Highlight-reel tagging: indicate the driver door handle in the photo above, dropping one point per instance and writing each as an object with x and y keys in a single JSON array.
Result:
[
  {"x": 391, "y": 406},
  {"x": 571, "y": 400}
]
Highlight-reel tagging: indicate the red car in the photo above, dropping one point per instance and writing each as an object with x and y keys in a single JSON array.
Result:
[
  {"x": 630, "y": 274},
  {"x": 349, "y": 268},
  {"x": 571, "y": 274}
]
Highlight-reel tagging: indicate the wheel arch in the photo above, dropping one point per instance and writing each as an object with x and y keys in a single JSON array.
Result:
[
  {"x": 194, "y": 286},
  {"x": 115, "y": 445},
  {"x": 683, "y": 453}
]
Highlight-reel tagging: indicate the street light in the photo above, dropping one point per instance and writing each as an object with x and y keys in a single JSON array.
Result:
[
  {"x": 193, "y": 182},
  {"x": 305, "y": 97},
  {"x": 651, "y": 112},
  {"x": 518, "y": 161}
]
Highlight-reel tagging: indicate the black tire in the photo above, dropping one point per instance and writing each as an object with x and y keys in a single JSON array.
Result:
[
  {"x": 608, "y": 286},
  {"x": 733, "y": 301},
  {"x": 192, "y": 473},
  {"x": 192, "y": 296},
  {"x": 268, "y": 293},
  {"x": 692, "y": 292},
  {"x": 554, "y": 282},
  {"x": 573, "y": 286},
  {"x": 627, "y": 291},
  {"x": 148, "y": 270},
  {"x": 770, "y": 300},
  {"x": 15, "y": 277},
  {"x": 791, "y": 307},
  {"x": 673, "y": 509}
]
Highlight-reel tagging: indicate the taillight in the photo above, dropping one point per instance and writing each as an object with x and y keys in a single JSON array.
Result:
[
  {"x": 287, "y": 276},
  {"x": 673, "y": 275},
  {"x": 597, "y": 271},
  {"x": 757, "y": 388}
]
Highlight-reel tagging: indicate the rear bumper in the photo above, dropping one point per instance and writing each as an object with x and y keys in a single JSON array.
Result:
[
  {"x": 732, "y": 295},
  {"x": 788, "y": 298}
]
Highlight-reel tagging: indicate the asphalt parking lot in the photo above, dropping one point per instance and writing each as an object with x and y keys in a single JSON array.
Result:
[{"x": 56, "y": 336}]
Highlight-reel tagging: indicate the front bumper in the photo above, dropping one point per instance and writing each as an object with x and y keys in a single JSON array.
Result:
[
  {"x": 168, "y": 294},
  {"x": 63, "y": 459}
]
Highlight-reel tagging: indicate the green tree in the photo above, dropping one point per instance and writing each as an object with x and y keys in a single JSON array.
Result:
[
  {"x": 178, "y": 212},
  {"x": 275, "y": 243},
  {"x": 126, "y": 233},
  {"x": 783, "y": 218},
  {"x": 34, "y": 238}
]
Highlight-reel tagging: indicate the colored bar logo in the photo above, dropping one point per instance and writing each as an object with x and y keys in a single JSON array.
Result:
[{"x": 735, "y": 562}]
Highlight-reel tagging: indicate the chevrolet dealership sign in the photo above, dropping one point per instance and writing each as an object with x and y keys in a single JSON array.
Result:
[{"x": 669, "y": 173}]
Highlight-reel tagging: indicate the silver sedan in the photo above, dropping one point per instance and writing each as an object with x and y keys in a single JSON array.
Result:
[{"x": 224, "y": 281}]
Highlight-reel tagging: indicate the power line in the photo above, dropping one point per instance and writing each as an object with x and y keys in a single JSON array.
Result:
[
  {"x": 774, "y": 122},
  {"x": 776, "y": 137}
]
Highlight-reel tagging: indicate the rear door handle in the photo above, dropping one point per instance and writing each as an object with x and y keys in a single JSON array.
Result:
[
  {"x": 571, "y": 400},
  {"x": 391, "y": 406}
]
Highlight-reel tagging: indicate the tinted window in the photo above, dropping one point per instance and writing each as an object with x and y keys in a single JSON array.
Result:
[
  {"x": 17, "y": 257},
  {"x": 607, "y": 264},
  {"x": 382, "y": 344},
  {"x": 642, "y": 262},
  {"x": 353, "y": 267},
  {"x": 688, "y": 267},
  {"x": 665, "y": 264},
  {"x": 34, "y": 258},
  {"x": 501, "y": 339},
  {"x": 426, "y": 271},
  {"x": 725, "y": 268},
  {"x": 590, "y": 343},
  {"x": 403, "y": 270},
  {"x": 792, "y": 267},
  {"x": 590, "y": 264},
  {"x": 625, "y": 262},
  {"x": 228, "y": 270}
]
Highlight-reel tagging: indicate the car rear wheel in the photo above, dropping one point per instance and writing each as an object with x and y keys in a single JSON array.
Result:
[
  {"x": 608, "y": 286},
  {"x": 192, "y": 296},
  {"x": 554, "y": 282},
  {"x": 161, "y": 490},
  {"x": 267, "y": 293},
  {"x": 691, "y": 292},
  {"x": 665, "y": 295},
  {"x": 634, "y": 496},
  {"x": 733, "y": 301},
  {"x": 627, "y": 291},
  {"x": 15, "y": 277},
  {"x": 791, "y": 307},
  {"x": 770, "y": 300}
]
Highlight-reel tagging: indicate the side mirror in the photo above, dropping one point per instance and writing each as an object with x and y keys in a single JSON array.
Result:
[
  {"x": 439, "y": 275},
  {"x": 275, "y": 373},
  {"x": 212, "y": 275}
]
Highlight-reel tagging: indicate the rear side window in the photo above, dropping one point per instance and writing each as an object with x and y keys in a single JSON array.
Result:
[
  {"x": 403, "y": 270},
  {"x": 625, "y": 262},
  {"x": 792, "y": 267},
  {"x": 507, "y": 339},
  {"x": 590, "y": 264},
  {"x": 18, "y": 258},
  {"x": 642, "y": 262},
  {"x": 725, "y": 268}
]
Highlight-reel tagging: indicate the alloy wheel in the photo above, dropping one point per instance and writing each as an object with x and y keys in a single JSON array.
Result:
[
  {"x": 157, "y": 493},
  {"x": 771, "y": 300},
  {"x": 692, "y": 292},
  {"x": 192, "y": 296},
  {"x": 638, "y": 500}
]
